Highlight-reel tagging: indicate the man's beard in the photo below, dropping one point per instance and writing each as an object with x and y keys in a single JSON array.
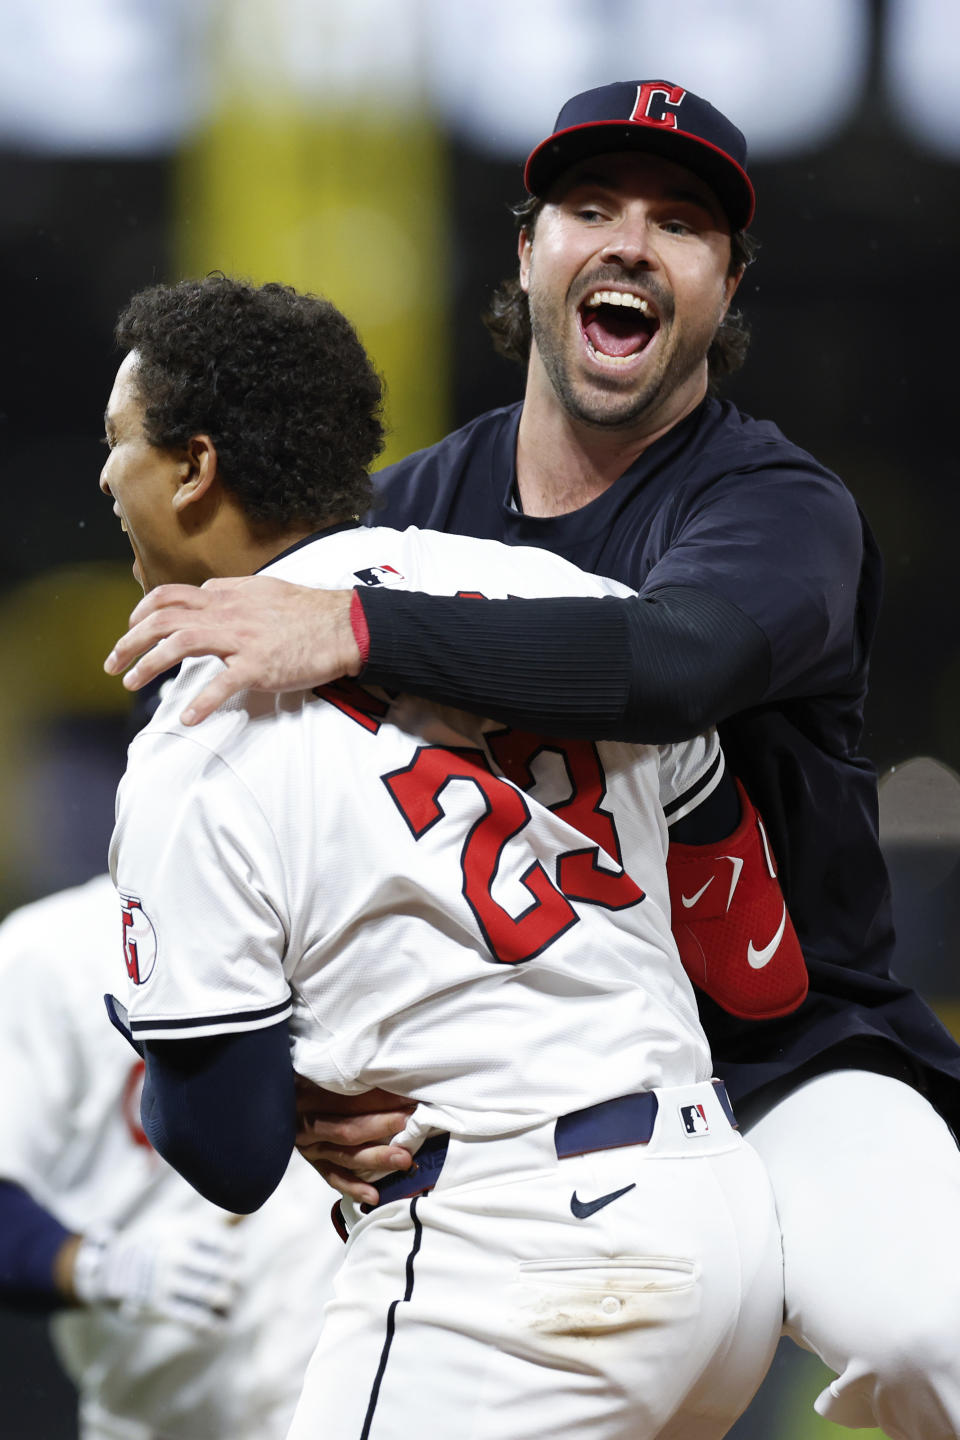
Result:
[{"x": 587, "y": 401}]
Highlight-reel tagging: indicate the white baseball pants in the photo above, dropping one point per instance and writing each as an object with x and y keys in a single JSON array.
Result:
[
  {"x": 866, "y": 1178},
  {"x": 507, "y": 1304}
]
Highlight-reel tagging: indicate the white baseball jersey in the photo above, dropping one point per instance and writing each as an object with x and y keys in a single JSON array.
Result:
[
  {"x": 70, "y": 1134},
  {"x": 422, "y": 892}
]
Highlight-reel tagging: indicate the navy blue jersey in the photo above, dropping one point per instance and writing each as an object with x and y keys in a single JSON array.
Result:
[{"x": 726, "y": 505}]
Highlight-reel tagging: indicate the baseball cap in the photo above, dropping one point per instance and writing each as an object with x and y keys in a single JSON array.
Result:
[{"x": 654, "y": 116}]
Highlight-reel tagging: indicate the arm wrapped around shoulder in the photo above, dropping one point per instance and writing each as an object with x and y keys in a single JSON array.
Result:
[{"x": 736, "y": 941}]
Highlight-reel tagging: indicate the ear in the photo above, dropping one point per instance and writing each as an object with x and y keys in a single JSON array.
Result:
[
  {"x": 197, "y": 473},
  {"x": 524, "y": 248},
  {"x": 730, "y": 284}
]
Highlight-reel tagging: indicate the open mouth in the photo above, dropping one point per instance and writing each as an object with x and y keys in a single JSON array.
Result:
[
  {"x": 617, "y": 324},
  {"x": 137, "y": 574}
]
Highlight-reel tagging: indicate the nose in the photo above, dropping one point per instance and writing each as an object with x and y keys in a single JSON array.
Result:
[
  {"x": 629, "y": 242},
  {"x": 104, "y": 483}
]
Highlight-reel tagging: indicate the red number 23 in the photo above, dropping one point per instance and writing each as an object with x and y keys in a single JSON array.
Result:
[{"x": 417, "y": 791}]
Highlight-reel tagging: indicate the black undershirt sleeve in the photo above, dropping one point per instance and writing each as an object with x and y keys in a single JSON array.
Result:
[
  {"x": 649, "y": 669},
  {"x": 222, "y": 1112}
]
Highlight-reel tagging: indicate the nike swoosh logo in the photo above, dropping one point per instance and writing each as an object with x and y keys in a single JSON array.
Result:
[
  {"x": 689, "y": 900},
  {"x": 737, "y": 864},
  {"x": 583, "y": 1208},
  {"x": 756, "y": 959}
]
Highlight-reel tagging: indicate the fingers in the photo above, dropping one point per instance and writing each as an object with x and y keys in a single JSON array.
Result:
[
  {"x": 271, "y": 635},
  {"x": 346, "y": 1140},
  {"x": 171, "y": 623},
  {"x": 223, "y": 685},
  {"x": 361, "y": 1162},
  {"x": 345, "y": 1132},
  {"x": 160, "y": 641},
  {"x": 163, "y": 655},
  {"x": 203, "y": 1282},
  {"x": 224, "y": 582},
  {"x": 209, "y": 1296},
  {"x": 348, "y": 1169},
  {"x": 348, "y": 1184},
  {"x": 188, "y": 597},
  {"x": 145, "y": 626},
  {"x": 163, "y": 637}
]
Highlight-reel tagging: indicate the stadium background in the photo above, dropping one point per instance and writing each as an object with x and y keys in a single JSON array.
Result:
[{"x": 369, "y": 151}]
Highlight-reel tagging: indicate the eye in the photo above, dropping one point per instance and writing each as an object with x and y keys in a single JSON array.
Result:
[
  {"x": 677, "y": 227},
  {"x": 586, "y": 207},
  {"x": 105, "y": 440}
]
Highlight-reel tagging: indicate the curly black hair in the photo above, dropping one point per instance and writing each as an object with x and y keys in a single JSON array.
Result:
[
  {"x": 508, "y": 316},
  {"x": 279, "y": 381}
]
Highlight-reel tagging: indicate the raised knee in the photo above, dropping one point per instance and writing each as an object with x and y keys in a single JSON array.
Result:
[
  {"x": 920, "y": 1346},
  {"x": 905, "y": 1380}
]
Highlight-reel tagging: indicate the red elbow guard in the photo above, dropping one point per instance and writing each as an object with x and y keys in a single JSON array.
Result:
[{"x": 736, "y": 941}]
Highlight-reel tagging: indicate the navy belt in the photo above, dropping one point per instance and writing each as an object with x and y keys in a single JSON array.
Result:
[{"x": 627, "y": 1120}]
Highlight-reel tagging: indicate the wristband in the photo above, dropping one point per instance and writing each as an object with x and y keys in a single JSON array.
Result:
[{"x": 360, "y": 628}]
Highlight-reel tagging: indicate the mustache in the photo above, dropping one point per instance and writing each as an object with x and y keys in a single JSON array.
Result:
[{"x": 646, "y": 285}]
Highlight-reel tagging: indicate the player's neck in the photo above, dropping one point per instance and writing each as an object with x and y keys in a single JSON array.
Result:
[
  {"x": 241, "y": 548},
  {"x": 563, "y": 463}
]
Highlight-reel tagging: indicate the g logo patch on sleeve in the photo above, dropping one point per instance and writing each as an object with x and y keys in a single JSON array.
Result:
[{"x": 139, "y": 940}]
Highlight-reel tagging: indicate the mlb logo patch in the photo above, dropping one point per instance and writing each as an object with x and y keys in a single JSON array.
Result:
[
  {"x": 379, "y": 575},
  {"x": 694, "y": 1119}
]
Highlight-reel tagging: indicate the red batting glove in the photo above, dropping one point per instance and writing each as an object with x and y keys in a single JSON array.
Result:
[{"x": 736, "y": 940}]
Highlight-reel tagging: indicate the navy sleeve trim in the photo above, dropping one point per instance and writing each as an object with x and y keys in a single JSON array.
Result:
[
  {"x": 712, "y": 818},
  {"x": 117, "y": 1015},
  {"x": 651, "y": 669},
  {"x": 239, "y": 1019},
  {"x": 708, "y": 778}
]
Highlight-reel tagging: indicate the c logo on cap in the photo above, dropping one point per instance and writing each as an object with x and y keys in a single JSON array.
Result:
[{"x": 646, "y": 102}]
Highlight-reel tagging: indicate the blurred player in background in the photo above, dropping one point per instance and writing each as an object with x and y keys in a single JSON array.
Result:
[
  {"x": 759, "y": 590},
  {"x": 381, "y": 892},
  {"x": 174, "y": 1321}
]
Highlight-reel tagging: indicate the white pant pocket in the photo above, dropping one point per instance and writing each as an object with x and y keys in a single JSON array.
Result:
[{"x": 594, "y": 1297}]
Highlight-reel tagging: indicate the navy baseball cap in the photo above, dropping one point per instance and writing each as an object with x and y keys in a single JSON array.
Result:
[{"x": 660, "y": 118}]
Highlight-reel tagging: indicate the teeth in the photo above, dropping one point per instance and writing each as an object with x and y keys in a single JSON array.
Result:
[
  {"x": 617, "y": 297},
  {"x": 610, "y": 359}
]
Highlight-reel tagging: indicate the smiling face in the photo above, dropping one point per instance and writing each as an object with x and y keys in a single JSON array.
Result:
[
  {"x": 143, "y": 482},
  {"x": 628, "y": 279}
]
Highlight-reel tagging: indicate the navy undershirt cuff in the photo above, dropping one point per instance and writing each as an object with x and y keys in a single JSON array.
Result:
[{"x": 30, "y": 1239}]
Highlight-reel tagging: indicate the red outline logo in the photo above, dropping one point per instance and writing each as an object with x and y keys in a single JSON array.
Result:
[
  {"x": 139, "y": 940},
  {"x": 647, "y": 94}
]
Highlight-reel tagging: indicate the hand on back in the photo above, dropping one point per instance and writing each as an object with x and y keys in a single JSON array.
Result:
[{"x": 271, "y": 636}]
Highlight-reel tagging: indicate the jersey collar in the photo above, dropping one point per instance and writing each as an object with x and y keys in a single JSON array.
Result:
[{"x": 309, "y": 539}]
